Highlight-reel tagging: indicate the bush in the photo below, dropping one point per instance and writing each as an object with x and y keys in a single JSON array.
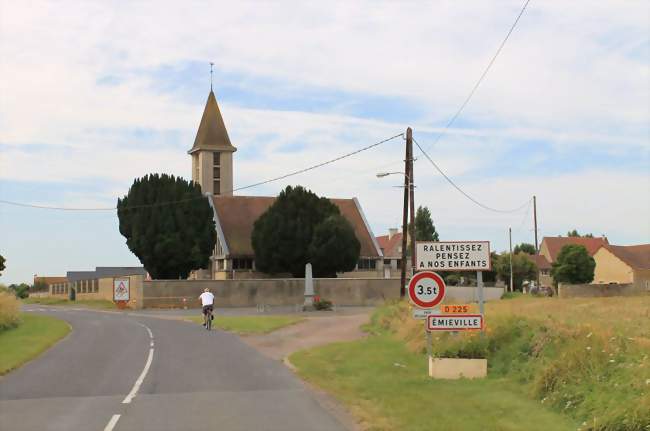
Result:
[
  {"x": 20, "y": 290},
  {"x": 9, "y": 306},
  {"x": 322, "y": 304}
]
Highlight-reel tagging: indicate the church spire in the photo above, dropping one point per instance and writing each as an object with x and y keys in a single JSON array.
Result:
[{"x": 212, "y": 134}]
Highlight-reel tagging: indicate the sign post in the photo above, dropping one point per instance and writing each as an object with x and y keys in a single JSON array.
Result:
[
  {"x": 121, "y": 291},
  {"x": 426, "y": 290}
]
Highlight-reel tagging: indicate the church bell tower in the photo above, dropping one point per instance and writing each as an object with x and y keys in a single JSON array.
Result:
[{"x": 212, "y": 152}]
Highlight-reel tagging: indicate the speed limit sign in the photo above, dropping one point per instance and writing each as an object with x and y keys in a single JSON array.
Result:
[{"x": 426, "y": 289}]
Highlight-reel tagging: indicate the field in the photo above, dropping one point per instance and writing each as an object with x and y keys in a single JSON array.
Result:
[
  {"x": 553, "y": 364},
  {"x": 250, "y": 324},
  {"x": 31, "y": 337}
]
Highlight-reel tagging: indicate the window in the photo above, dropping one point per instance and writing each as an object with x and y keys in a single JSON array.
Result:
[
  {"x": 217, "y": 159},
  {"x": 242, "y": 264},
  {"x": 216, "y": 173},
  {"x": 216, "y": 187},
  {"x": 367, "y": 264},
  {"x": 386, "y": 261}
]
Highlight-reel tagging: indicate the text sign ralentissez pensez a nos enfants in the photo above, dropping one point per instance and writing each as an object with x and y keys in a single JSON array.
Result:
[{"x": 453, "y": 256}]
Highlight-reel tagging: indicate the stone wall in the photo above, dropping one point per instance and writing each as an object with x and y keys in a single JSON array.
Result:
[
  {"x": 600, "y": 290},
  {"x": 288, "y": 291}
]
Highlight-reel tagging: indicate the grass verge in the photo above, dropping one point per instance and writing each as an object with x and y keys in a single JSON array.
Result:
[
  {"x": 386, "y": 386},
  {"x": 34, "y": 335},
  {"x": 250, "y": 324},
  {"x": 101, "y": 304},
  {"x": 584, "y": 361}
]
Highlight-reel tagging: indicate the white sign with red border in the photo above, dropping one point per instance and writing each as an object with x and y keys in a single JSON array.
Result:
[
  {"x": 455, "y": 322},
  {"x": 121, "y": 290},
  {"x": 426, "y": 289},
  {"x": 453, "y": 256}
]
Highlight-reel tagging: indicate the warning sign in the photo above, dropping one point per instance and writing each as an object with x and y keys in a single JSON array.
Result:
[
  {"x": 121, "y": 289},
  {"x": 453, "y": 256}
]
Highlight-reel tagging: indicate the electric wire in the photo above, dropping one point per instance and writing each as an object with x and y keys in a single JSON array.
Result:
[
  {"x": 450, "y": 181},
  {"x": 290, "y": 174},
  {"x": 480, "y": 80}
]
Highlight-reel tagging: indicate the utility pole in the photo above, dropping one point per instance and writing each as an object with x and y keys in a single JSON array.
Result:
[
  {"x": 512, "y": 289},
  {"x": 402, "y": 287},
  {"x": 535, "y": 222},
  {"x": 536, "y": 244},
  {"x": 409, "y": 145}
]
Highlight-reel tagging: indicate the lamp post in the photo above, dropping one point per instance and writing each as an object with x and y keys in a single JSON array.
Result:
[{"x": 408, "y": 184}]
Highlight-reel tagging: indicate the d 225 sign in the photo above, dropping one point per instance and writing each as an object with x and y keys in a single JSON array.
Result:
[
  {"x": 121, "y": 291},
  {"x": 455, "y": 322}
]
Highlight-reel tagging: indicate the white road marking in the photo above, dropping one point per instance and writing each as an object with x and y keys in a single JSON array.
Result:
[
  {"x": 136, "y": 386},
  {"x": 111, "y": 423}
]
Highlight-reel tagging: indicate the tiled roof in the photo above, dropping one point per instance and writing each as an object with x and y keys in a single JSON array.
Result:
[
  {"x": 637, "y": 256},
  {"x": 539, "y": 260},
  {"x": 555, "y": 244},
  {"x": 237, "y": 214},
  {"x": 391, "y": 245}
]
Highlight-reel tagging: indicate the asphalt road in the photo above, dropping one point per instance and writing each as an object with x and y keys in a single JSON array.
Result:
[{"x": 156, "y": 374}]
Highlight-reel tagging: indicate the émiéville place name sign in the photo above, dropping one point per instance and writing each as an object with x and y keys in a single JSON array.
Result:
[{"x": 453, "y": 256}]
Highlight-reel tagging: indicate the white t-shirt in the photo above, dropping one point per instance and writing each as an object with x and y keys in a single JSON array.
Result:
[{"x": 206, "y": 298}]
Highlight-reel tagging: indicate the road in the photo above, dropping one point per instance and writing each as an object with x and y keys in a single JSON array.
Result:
[{"x": 118, "y": 372}]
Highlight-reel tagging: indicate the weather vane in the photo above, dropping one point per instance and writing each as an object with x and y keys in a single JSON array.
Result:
[{"x": 211, "y": 64}]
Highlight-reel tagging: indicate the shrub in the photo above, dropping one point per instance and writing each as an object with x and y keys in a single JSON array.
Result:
[
  {"x": 322, "y": 304},
  {"x": 20, "y": 290},
  {"x": 9, "y": 306}
]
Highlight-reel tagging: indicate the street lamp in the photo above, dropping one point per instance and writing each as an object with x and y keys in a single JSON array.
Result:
[{"x": 408, "y": 187}]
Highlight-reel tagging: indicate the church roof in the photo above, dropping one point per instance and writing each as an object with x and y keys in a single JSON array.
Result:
[
  {"x": 212, "y": 133},
  {"x": 237, "y": 214}
]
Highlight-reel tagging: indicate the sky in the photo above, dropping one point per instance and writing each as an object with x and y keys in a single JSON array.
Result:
[{"x": 95, "y": 94}]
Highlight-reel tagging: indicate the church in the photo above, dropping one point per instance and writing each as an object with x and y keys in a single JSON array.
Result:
[{"x": 233, "y": 256}]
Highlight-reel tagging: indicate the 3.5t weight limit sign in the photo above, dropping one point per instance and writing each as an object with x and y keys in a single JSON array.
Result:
[{"x": 426, "y": 289}]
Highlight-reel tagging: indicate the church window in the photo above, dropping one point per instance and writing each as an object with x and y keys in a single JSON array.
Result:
[
  {"x": 216, "y": 173},
  {"x": 217, "y": 159},
  {"x": 216, "y": 187}
]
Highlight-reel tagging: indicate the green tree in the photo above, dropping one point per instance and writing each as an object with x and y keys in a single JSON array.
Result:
[
  {"x": 424, "y": 228},
  {"x": 522, "y": 268},
  {"x": 20, "y": 290},
  {"x": 334, "y": 247},
  {"x": 282, "y": 236},
  {"x": 524, "y": 247},
  {"x": 170, "y": 239},
  {"x": 574, "y": 234},
  {"x": 573, "y": 265},
  {"x": 2, "y": 264}
]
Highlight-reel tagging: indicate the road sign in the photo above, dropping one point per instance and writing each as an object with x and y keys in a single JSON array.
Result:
[
  {"x": 423, "y": 313},
  {"x": 453, "y": 256},
  {"x": 455, "y": 308},
  {"x": 455, "y": 322},
  {"x": 426, "y": 289},
  {"x": 121, "y": 289}
]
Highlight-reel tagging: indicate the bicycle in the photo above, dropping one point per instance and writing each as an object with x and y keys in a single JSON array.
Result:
[{"x": 208, "y": 318}]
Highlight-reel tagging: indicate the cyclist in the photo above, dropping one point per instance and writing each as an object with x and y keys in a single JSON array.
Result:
[{"x": 207, "y": 302}]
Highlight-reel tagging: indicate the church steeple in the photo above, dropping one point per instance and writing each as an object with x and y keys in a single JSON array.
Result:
[{"x": 212, "y": 152}]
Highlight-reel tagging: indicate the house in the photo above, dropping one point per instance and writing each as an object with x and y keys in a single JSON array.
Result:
[
  {"x": 550, "y": 248},
  {"x": 391, "y": 248},
  {"x": 551, "y": 245},
  {"x": 233, "y": 256},
  {"x": 623, "y": 264}
]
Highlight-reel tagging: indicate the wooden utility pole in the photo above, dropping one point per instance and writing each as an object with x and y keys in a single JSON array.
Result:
[
  {"x": 402, "y": 287},
  {"x": 535, "y": 222},
  {"x": 536, "y": 244},
  {"x": 409, "y": 145},
  {"x": 512, "y": 289}
]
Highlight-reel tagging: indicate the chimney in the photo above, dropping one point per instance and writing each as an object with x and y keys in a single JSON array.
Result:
[{"x": 392, "y": 232}]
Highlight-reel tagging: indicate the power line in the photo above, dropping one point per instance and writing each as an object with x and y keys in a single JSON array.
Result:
[
  {"x": 290, "y": 174},
  {"x": 487, "y": 69},
  {"x": 462, "y": 191}
]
